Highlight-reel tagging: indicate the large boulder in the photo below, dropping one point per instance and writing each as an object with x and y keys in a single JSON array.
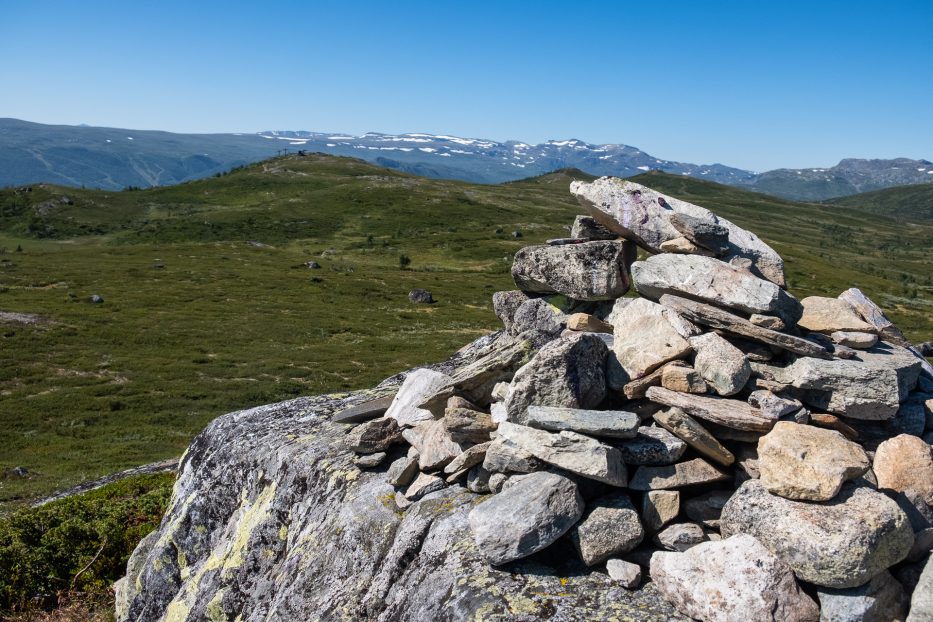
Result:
[
  {"x": 587, "y": 271},
  {"x": 808, "y": 463},
  {"x": 829, "y": 315},
  {"x": 839, "y": 543},
  {"x": 905, "y": 463},
  {"x": 712, "y": 281},
  {"x": 609, "y": 527},
  {"x": 569, "y": 372},
  {"x": 733, "y": 580},
  {"x": 530, "y": 514},
  {"x": 643, "y": 215}
]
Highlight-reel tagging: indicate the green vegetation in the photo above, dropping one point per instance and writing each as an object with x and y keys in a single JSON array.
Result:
[
  {"x": 44, "y": 550},
  {"x": 905, "y": 203},
  {"x": 209, "y": 305}
]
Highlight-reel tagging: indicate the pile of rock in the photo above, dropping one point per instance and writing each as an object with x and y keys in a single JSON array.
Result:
[{"x": 753, "y": 452}]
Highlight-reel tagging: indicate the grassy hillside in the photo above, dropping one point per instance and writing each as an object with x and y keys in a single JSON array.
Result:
[
  {"x": 905, "y": 203},
  {"x": 209, "y": 306}
]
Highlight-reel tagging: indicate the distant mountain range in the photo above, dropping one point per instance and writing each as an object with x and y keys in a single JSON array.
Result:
[{"x": 113, "y": 159}]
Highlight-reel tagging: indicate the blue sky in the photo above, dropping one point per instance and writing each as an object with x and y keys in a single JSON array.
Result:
[{"x": 757, "y": 85}]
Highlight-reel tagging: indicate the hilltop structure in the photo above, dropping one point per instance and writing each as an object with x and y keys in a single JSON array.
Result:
[{"x": 710, "y": 448}]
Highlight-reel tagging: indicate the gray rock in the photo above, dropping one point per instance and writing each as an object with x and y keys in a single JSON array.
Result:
[
  {"x": 370, "y": 461},
  {"x": 420, "y": 296},
  {"x": 685, "y": 247},
  {"x": 659, "y": 507},
  {"x": 374, "y": 436},
  {"x": 857, "y": 340},
  {"x": 732, "y": 580},
  {"x": 707, "y": 508},
  {"x": 471, "y": 457},
  {"x": 423, "y": 485},
  {"x": 643, "y": 215},
  {"x": 570, "y": 451},
  {"x": 497, "y": 482},
  {"x": 588, "y": 271},
  {"x": 830, "y": 315},
  {"x": 683, "y": 378},
  {"x": 587, "y": 227},
  {"x": 607, "y": 423},
  {"x": 652, "y": 446},
  {"x": 683, "y": 426},
  {"x": 539, "y": 315},
  {"x": 625, "y": 311},
  {"x": 504, "y": 456},
  {"x": 880, "y": 600},
  {"x": 468, "y": 426},
  {"x": 839, "y": 543},
  {"x": 702, "y": 232},
  {"x": 680, "y": 536},
  {"x": 872, "y": 314},
  {"x": 418, "y": 386},
  {"x": 715, "y": 410},
  {"x": 437, "y": 449},
  {"x": 808, "y": 463},
  {"x": 921, "y": 605},
  {"x": 96, "y": 299},
  {"x": 526, "y": 517},
  {"x": 772, "y": 406},
  {"x": 371, "y": 409},
  {"x": 125, "y": 590},
  {"x": 722, "y": 365},
  {"x": 690, "y": 473},
  {"x": 646, "y": 344},
  {"x": 624, "y": 573},
  {"x": 402, "y": 471},
  {"x": 910, "y": 418},
  {"x": 478, "y": 480},
  {"x": 506, "y": 303},
  {"x": 609, "y": 527},
  {"x": 712, "y": 281},
  {"x": 568, "y": 372}
]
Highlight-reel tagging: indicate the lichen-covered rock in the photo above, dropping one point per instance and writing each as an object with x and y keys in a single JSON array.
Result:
[
  {"x": 723, "y": 366},
  {"x": 587, "y": 271},
  {"x": 374, "y": 436},
  {"x": 652, "y": 446},
  {"x": 880, "y": 600},
  {"x": 609, "y": 527},
  {"x": 733, "y": 580},
  {"x": 504, "y": 456},
  {"x": 840, "y": 543},
  {"x": 539, "y": 315}
]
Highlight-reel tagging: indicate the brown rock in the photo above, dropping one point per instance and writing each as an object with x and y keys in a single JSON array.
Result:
[
  {"x": 584, "y": 322},
  {"x": 828, "y": 315},
  {"x": 692, "y": 472},
  {"x": 905, "y": 463},
  {"x": 681, "y": 425},
  {"x": 682, "y": 378}
]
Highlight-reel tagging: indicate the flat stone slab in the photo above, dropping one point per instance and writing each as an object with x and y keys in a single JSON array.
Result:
[
  {"x": 719, "y": 410},
  {"x": 373, "y": 409},
  {"x": 588, "y": 271},
  {"x": 690, "y": 473},
  {"x": 652, "y": 446},
  {"x": 607, "y": 423}
]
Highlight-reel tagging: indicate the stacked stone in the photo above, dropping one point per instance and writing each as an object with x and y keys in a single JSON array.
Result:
[{"x": 737, "y": 443}]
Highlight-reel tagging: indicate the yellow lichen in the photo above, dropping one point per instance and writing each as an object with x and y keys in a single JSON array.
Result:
[{"x": 214, "y": 610}]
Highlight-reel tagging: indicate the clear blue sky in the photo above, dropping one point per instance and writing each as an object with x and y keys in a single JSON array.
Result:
[{"x": 752, "y": 84}]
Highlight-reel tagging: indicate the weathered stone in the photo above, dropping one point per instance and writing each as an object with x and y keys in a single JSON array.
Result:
[
  {"x": 683, "y": 426},
  {"x": 539, "y": 315},
  {"x": 851, "y": 339},
  {"x": 712, "y": 281},
  {"x": 478, "y": 480},
  {"x": 910, "y": 418},
  {"x": 643, "y": 215},
  {"x": 423, "y": 485},
  {"x": 683, "y": 246},
  {"x": 570, "y": 451},
  {"x": 609, "y": 526},
  {"x": 402, "y": 471},
  {"x": 690, "y": 473},
  {"x": 647, "y": 343},
  {"x": 732, "y": 580},
  {"x": 659, "y": 507},
  {"x": 588, "y": 271},
  {"x": 636, "y": 389},
  {"x": 839, "y": 543},
  {"x": 469, "y": 458},
  {"x": 584, "y": 322},
  {"x": 418, "y": 385},
  {"x": 504, "y": 456},
  {"x": 721, "y": 364},
  {"x": 626, "y": 310},
  {"x": 468, "y": 426},
  {"x": 703, "y": 232},
  {"x": 829, "y": 315},
  {"x": 871, "y": 388},
  {"x": 568, "y": 372},
  {"x": 587, "y": 227},
  {"x": 921, "y": 605},
  {"x": 506, "y": 303},
  {"x": 370, "y": 461},
  {"x": 525, "y": 517},
  {"x": 772, "y": 406},
  {"x": 374, "y": 436},
  {"x": 808, "y": 463},
  {"x": 717, "y": 410},
  {"x": 767, "y": 321},
  {"x": 680, "y": 536},
  {"x": 905, "y": 463},
  {"x": 708, "y": 315},
  {"x": 401, "y": 501},
  {"x": 605, "y": 423},
  {"x": 834, "y": 423},
  {"x": 437, "y": 449},
  {"x": 126, "y": 589},
  {"x": 359, "y": 413},
  {"x": 874, "y": 316},
  {"x": 461, "y": 402},
  {"x": 626, "y": 574},
  {"x": 420, "y": 296},
  {"x": 880, "y": 600},
  {"x": 682, "y": 378},
  {"x": 652, "y": 446},
  {"x": 706, "y": 508}
]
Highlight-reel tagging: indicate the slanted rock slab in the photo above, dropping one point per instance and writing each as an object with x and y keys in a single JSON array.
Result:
[
  {"x": 690, "y": 473},
  {"x": 652, "y": 446},
  {"x": 418, "y": 386},
  {"x": 685, "y": 427}
]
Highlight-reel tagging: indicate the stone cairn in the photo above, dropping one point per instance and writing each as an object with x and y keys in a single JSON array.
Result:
[{"x": 754, "y": 453}]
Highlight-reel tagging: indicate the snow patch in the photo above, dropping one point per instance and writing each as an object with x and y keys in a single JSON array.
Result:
[{"x": 643, "y": 168}]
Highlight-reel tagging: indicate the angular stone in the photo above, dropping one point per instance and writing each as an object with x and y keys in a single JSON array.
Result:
[
  {"x": 423, "y": 485},
  {"x": 721, "y": 364},
  {"x": 539, "y": 315},
  {"x": 921, "y": 605},
  {"x": 829, "y": 315},
  {"x": 839, "y": 543},
  {"x": 713, "y": 317},
  {"x": 643, "y": 215},
  {"x": 680, "y": 536},
  {"x": 374, "y": 436},
  {"x": 717, "y": 410},
  {"x": 707, "y": 508},
  {"x": 712, "y": 281},
  {"x": 626, "y": 310},
  {"x": 478, "y": 480},
  {"x": 647, "y": 343},
  {"x": 505, "y": 304},
  {"x": 419, "y": 385},
  {"x": 772, "y": 406},
  {"x": 588, "y": 271},
  {"x": 767, "y": 321},
  {"x": 910, "y": 418},
  {"x": 905, "y": 463},
  {"x": 690, "y": 473},
  {"x": 504, "y": 456},
  {"x": 873, "y": 315},
  {"x": 584, "y": 322},
  {"x": 525, "y": 517},
  {"x": 437, "y": 449},
  {"x": 871, "y": 388},
  {"x": 684, "y": 246},
  {"x": 659, "y": 507},
  {"x": 683, "y": 426},
  {"x": 370, "y": 461},
  {"x": 569, "y": 372},
  {"x": 605, "y": 423},
  {"x": 469, "y": 458},
  {"x": 859, "y": 341},
  {"x": 609, "y": 527},
  {"x": 636, "y": 389},
  {"x": 587, "y": 227},
  {"x": 808, "y": 463},
  {"x": 365, "y": 411},
  {"x": 703, "y": 232},
  {"x": 732, "y": 580},
  {"x": 683, "y": 379},
  {"x": 402, "y": 471},
  {"x": 880, "y": 600},
  {"x": 468, "y": 426},
  {"x": 626, "y": 574},
  {"x": 570, "y": 451},
  {"x": 653, "y": 447}
]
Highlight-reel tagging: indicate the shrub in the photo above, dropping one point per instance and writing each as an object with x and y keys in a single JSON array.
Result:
[{"x": 404, "y": 261}]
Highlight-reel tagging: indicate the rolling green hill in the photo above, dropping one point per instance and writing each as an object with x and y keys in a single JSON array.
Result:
[
  {"x": 904, "y": 203},
  {"x": 209, "y": 305}
]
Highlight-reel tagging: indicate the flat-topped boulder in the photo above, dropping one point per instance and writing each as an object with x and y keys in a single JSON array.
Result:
[
  {"x": 588, "y": 271},
  {"x": 643, "y": 215},
  {"x": 828, "y": 315}
]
